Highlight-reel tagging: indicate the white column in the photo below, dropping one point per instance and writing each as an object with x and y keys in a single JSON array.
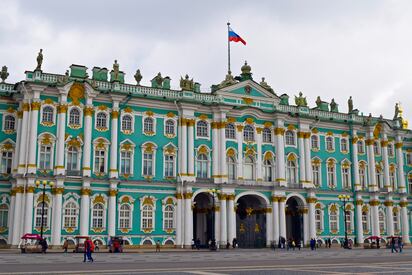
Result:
[
  {"x": 282, "y": 217},
  {"x": 302, "y": 157},
  {"x": 28, "y": 213},
  {"x": 269, "y": 225},
  {"x": 18, "y": 141},
  {"x": 190, "y": 148},
  {"x": 259, "y": 154},
  {"x": 359, "y": 227},
  {"x": 355, "y": 162},
  {"x": 184, "y": 148},
  {"x": 24, "y": 138},
  {"x": 85, "y": 208},
  {"x": 239, "y": 140},
  {"x": 114, "y": 172},
  {"x": 374, "y": 203},
  {"x": 215, "y": 153},
  {"x": 222, "y": 150},
  {"x": 280, "y": 159},
  {"x": 312, "y": 221},
  {"x": 223, "y": 220},
  {"x": 231, "y": 218},
  {"x": 308, "y": 160},
  {"x": 61, "y": 134},
  {"x": 389, "y": 216},
  {"x": 57, "y": 212},
  {"x": 32, "y": 165},
  {"x": 384, "y": 145},
  {"x": 179, "y": 224},
  {"x": 111, "y": 228},
  {"x": 371, "y": 163},
  {"x": 11, "y": 215},
  {"x": 399, "y": 162},
  {"x": 188, "y": 218},
  {"x": 88, "y": 112},
  {"x": 217, "y": 224},
  {"x": 275, "y": 219},
  {"x": 17, "y": 215},
  {"x": 404, "y": 220}
]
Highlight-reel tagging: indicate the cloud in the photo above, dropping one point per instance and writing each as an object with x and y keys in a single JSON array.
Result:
[{"x": 333, "y": 49}]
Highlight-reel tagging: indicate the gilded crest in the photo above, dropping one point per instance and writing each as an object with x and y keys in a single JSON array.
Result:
[{"x": 76, "y": 93}]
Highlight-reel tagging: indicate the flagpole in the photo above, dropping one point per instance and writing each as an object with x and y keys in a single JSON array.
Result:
[{"x": 228, "y": 49}]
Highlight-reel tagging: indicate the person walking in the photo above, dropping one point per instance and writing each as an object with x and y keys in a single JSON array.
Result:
[
  {"x": 88, "y": 250},
  {"x": 65, "y": 245},
  {"x": 192, "y": 243},
  {"x": 158, "y": 246},
  {"x": 293, "y": 245},
  {"x": 400, "y": 244},
  {"x": 393, "y": 245}
]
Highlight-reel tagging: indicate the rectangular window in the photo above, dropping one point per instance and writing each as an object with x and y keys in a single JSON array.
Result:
[
  {"x": 331, "y": 176},
  {"x": 99, "y": 161},
  {"x": 148, "y": 164},
  {"x": 362, "y": 178},
  {"x": 345, "y": 177},
  {"x": 316, "y": 175},
  {"x": 365, "y": 224},
  {"x": 169, "y": 165},
  {"x": 333, "y": 219},
  {"x": 45, "y": 157},
  {"x": 125, "y": 163},
  {"x": 72, "y": 159},
  {"x": 6, "y": 161},
  {"x": 344, "y": 145}
]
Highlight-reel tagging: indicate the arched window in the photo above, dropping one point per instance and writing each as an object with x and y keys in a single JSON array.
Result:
[
  {"x": 376, "y": 148},
  {"x": 125, "y": 215},
  {"x": 248, "y": 133},
  {"x": 47, "y": 115},
  {"x": 168, "y": 217},
  {"x": 127, "y": 123},
  {"x": 314, "y": 142},
  {"x": 72, "y": 159},
  {"x": 169, "y": 127},
  {"x": 344, "y": 145},
  {"x": 331, "y": 175},
  {"x": 349, "y": 219},
  {"x": 9, "y": 123},
  {"x": 268, "y": 170},
  {"x": 382, "y": 224},
  {"x": 231, "y": 168},
  {"x": 74, "y": 117},
  {"x": 392, "y": 177},
  {"x": 410, "y": 182},
  {"x": 4, "y": 215},
  {"x": 267, "y": 135},
  {"x": 101, "y": 120},
  {"x": 97, "y": 215},
  {"x": 202, "y": 166},
  {"x": 409, "y": 158},
  {"x": 148, "y": 125},
  {"x": 390, "y": 149},
  {"x": 330, "y": 145},
  {"x": 333, "y": 219},
  {"x": 316, "y": 172},
  {"x": 249, "y": 168},
  {"x": 319, "y": 220},
  {"x": 147, "y": 217},
  {"x": 290, "y": 138},
  {"x": 202, "y": 129},
  {"x": 361, "y": 147},
  {"x": 379, "y": 177},
  {"x": 70, "y": 215},
  {"x": 362, "y": 175},
  {"x": 230, "y": 131},
  {"x": 291, "y": 171},
  {"x": 346, "y": 178},
  {"x": 38, "y": 212}
]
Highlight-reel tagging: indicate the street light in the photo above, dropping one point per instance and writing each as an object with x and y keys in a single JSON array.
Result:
[
  {"x": 345, "y": 199},
  {"x": 214, "y": 192},
  {"x": 44, "y": 183}
]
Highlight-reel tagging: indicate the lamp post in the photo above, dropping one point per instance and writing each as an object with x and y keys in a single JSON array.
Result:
[
  {"x": 214, "y": 192},
  {"x": 44, "y": 183},
  {"x": 345, "y": 199}
]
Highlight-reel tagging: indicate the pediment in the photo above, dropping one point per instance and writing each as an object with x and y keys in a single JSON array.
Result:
[{"x": 248, "y": 89}]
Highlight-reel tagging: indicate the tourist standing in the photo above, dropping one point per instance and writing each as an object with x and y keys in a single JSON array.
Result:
[
  {"x": 393, "y": 245},
  {"x": 158, "y": 246},
  {"x": 400, "y": 244},
  {"x": 65, "y": 245}
]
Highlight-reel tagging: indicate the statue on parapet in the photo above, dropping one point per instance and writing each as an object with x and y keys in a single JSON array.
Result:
[
  {"x": 396, "y": 111},
  {"x": 318, "y": 102},
  {"x": 350, "y": 104},
  {"x": 264, "y": 84},
  {"x": 334, "y": 106},
  {"x": 186, "y": 84},
  {"x": 39, "y": 59},
  {"x": 301, "y": 100},
  {"x": 116, "y": 71},
  {"x": 4, "y": 74},
  {"x": 138, "y": 77}
]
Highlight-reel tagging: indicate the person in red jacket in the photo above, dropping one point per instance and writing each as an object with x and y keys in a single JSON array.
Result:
[{"x": 88, "y": 249}]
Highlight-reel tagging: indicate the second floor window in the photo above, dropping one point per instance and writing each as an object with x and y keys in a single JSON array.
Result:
[
  {"x": 125, "y": 162},
  {"x": 6, "y": 161},
  {"x": 101, "y": 120},
  {"x": 170, "y": 127},
  {"x": 99, "y": 161},
  {"x": 290, "y": 138},
  {"x": 202, "y": 129},
  {"x": 314, "y": 142},
  {"x": 230, "y": 131},
  {"x": 9, "y": 123},
  {"x": 127, "y": 123},
  {"x": 267, "y": 135},
  {"x": 72, "y": 159},
  {"x": 45, "y": 157},
  {"x": 47, "y": 115},
  {"x": 148, "y": 164},
  {"x": 249, "y": 133},
  {"x": 74, "y": 117}
]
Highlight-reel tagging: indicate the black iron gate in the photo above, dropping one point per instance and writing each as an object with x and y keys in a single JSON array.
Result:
[{"x": 251, "y": 229}]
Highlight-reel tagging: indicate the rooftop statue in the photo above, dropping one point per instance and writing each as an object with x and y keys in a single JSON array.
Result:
[
  {"x": 318, "y": 101},
  {"x": 350, "y": 104},
  {"x": 334, "y": 106},
  {"x": 229, "y": 80},
  {"x": 138, "y": 77},
  {"x": 186, "y": 84},
  {"x": 64, "y": 79},
  {"x": 265, "y": 85},
  {"x": 115, "y": 71},
  {"x": 39, "y": 59},
  {"x": 157, "y": 81},
  {"x": 4, "y": 74},
  {"x": 396, "y": 111},
  {"x": 301, "y": 101}
]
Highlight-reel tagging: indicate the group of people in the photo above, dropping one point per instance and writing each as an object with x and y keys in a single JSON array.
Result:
[
  {"x": 88, "y": 250},
  {"x": 44, "y": 245},
  {"x": 211, "y": 244},
  {"x": 396, "y": 245}
]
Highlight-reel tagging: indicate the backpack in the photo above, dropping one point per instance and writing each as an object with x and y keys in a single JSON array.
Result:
[{"x": 91, "y": 246}]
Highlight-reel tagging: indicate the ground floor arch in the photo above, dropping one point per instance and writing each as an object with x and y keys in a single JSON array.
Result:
[
  {"x": 203, "y": 218},
  {"x": 251, "y": 221},
  {"x": 295, "y": 209}
]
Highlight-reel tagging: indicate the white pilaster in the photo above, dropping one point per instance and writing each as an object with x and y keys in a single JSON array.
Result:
[
  {"x": 184, "y": 148},
  {"x": 400, "y": 163},
  {"x": 24, "y": 138},
  {"x": 85, "y": 208},
  {"x": 179, "y": 224},
  {"x": 11, "y": 215},
  {"x": 231, "y": 218},
  {"x": 18, "y": 141},
  {"x": 217, "y": 224},
  {"x": 280, "y": 159},
  {"x": 384, "y": 145},
  {"x": 389, "y": 216},
  {"x": 88, "y": 128},
  {"x": 17, "y": 234},
  {"x": 28, "y": 213},
  {"x": 308, "y": 161},
  {"x": 215, "y": 153},
  {"x": 259, "y": 154},
  {"x": 222, "y": 150},
  {"x": 34, "y": 119},
  {"x": 312, "y": 221},
  {"x": 114, "y": 171},
  {"x": 405, "y": 220},
  {"x": 355, "y": 162},
  {"x": 275, "y": 219},
  {"x": 188, "y": 217},
  {"x": 305, "y": 226},
  {"x": 282, "y": 217},
  {"x": 111, "y": 228},
  {"x": 302, "y": 157},
  {"x": 223, "y": 220},
  {"x": 269, "y": 225},
  {"x": 239, "y": 140},
  {"x": 190, "y": 148},
  {"x": 57, "y": 212},
  {"x": 371, "y": 163},
  {"x": 61, "y": 133},
  {"x": 359, "y": 228},
  {"x": 374, "y": 203}
]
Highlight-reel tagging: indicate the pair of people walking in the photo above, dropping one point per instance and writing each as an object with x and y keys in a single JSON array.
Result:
[
  {"x": 396, "y": 243},
  {"x": 88, "y": 250}
]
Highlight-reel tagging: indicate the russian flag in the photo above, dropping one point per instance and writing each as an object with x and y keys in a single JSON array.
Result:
[{"x": 235, "y": 37}]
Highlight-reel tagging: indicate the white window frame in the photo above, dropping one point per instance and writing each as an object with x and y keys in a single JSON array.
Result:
[
  {"x": 252, "y": 165},
  {"x": 344, "y": 141},
  {"x": 153, "y": 218},
  {"x": 228, "y": 131},
  {"x": 102, "y": 128},
  {"x": 103, "y": 217},
  {"x": 289, "y": 168},
  {"x": 166, "y": 203},
  {"x": 173, "y": 134},
  {"x": 346, "y": 165},
  {"x": 314, "y": 148},
  {"x": 70, "y": 216},
  {"x": 207, "y": 161},
  {"x": 267, "y": 136},
  {"x": 122, "y": 117},
  {"x": 234, "y": 166},
  {"x": 4, "y": 214},
  {"x": 391, "y": 150},
  {"x": 11, "y": 115},
  {"x": 75, "y": 126},
  {"x": 332, "y": 138},
  {"x": 330, "y": 184},
  {"x": 52, "y": 144},
  {"x": 377, "y": 148},
  {"x": 8, "y": 159},
  {"x": 337, "y": 218},
  {"x": 319, "y": 171},
  {"x": 207, "y": 129},
  {"x": 125, "y": 218},
  {"x": 396, "y": 220},
  {"x": 154, "y": 149},
  {"x": 125, "y": 200},
  {"x": 145, "y": 131},
  {"x": 292, "y": 138},
  {"x": 379, "y": 177},
  {"x": 367, "y": 221},
  {"x": 361, "y": 144},
  {"x": 48, "y": 123},
  {"x": 38, "y": 215},
  {"x": 79, "y": 157},
  {"x": 365, "y": 174},
  {"x": 382, "y": 222},
  {"x": 250, "y": 135},
  {"x": 408, "y": 158},
  {"x": 319, "y": 207},
  {"x": 105, "y": 148}
]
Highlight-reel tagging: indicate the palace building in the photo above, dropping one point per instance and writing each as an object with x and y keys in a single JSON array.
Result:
[{"x": 105, "y": 158}]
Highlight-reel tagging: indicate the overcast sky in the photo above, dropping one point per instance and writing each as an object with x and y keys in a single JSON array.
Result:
[{"x": 334, "y": 49}]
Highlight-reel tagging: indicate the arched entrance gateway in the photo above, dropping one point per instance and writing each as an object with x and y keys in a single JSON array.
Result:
[
  {"x": 203, "y": 217},
  {"x": 251, "y": 222},
  {"x": 294, "y": 219}
]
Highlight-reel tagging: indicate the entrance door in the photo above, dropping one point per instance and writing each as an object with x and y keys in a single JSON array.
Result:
[
  {"x": 203, "y": 218},
  {"x": 251, "y": 222},
  {"x": 294, "y": 220}
]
